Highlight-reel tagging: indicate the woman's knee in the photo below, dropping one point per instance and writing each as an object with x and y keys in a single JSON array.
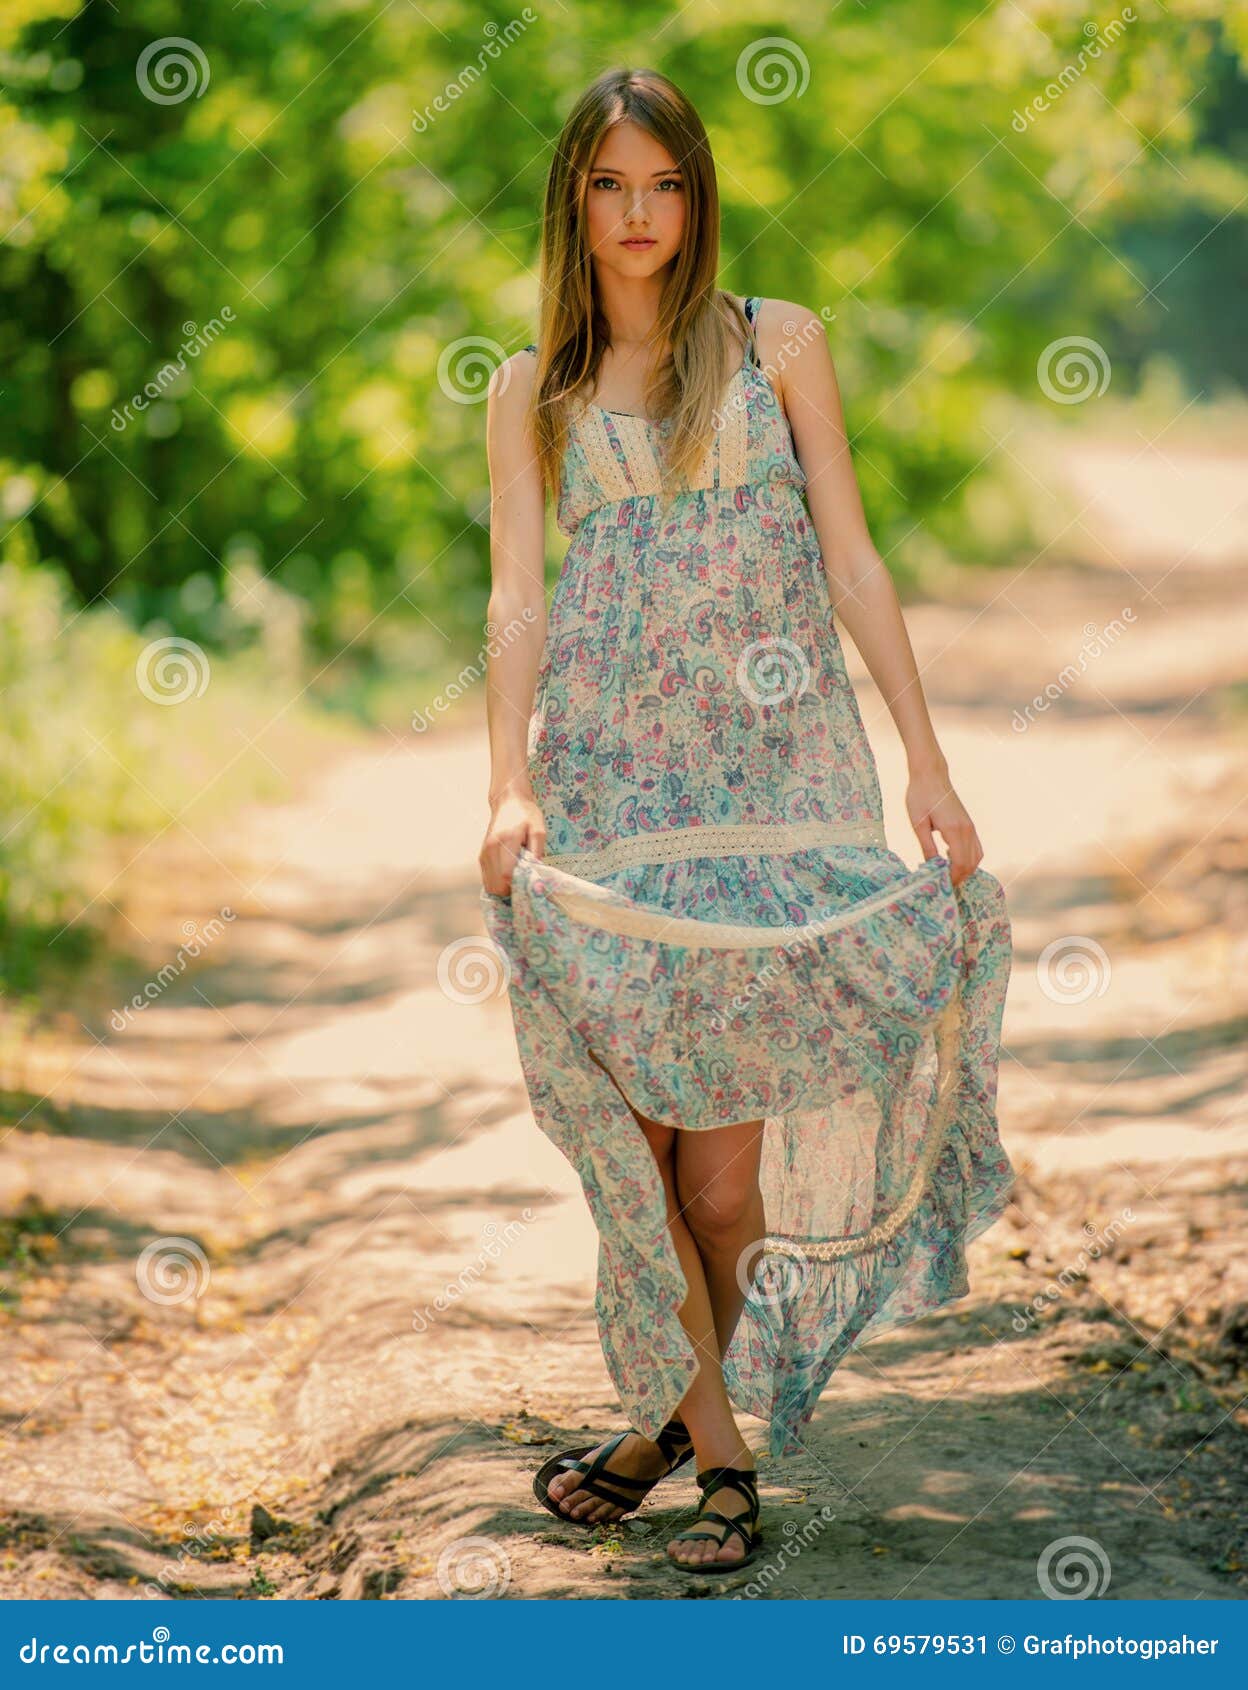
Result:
[{"x": 715, "y": 1205}]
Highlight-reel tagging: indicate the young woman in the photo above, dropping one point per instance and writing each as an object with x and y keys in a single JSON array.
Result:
[{"x": 768, "y": 1048}]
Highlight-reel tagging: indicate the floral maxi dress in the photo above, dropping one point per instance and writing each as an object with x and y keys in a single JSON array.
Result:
[{"x": 718, "y": 932}]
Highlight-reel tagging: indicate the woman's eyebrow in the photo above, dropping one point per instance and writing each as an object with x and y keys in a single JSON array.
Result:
[{"x": 609, "y": 170}]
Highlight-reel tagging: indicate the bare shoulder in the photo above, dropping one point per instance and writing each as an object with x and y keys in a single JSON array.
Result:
[
  {"x": 508, "y": 437},
  {"x": 784, "y": 329},
  {"x": 511, "y": 385}
]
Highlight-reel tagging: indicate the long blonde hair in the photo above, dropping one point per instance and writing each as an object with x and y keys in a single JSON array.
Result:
[{"x": 705, "y": 326}]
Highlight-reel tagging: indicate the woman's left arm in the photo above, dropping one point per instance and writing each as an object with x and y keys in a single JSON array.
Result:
[{"x": 863, "y": 595}]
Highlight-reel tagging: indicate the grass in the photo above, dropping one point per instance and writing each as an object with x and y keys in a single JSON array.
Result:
[{"x": 111, "y": 741}]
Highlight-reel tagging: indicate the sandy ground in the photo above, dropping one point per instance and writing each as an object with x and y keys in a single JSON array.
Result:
[{"x": 297, "y": 1297}]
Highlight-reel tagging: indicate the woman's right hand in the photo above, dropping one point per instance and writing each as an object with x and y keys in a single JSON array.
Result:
[{"x": 515, "y": 821}]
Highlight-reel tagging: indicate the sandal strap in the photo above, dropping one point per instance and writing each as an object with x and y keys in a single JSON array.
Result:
[
  {"x": 742, "y": 1479},
  {"x": 672, "y": 1441},
  {"x": 712, "y": 1516},
  {"x": 600, "y": 1484},
  {"x": 613, "y": 1487},
  {"x": 604, "y": 1485},
  {"x": 609, "y": 1446}
]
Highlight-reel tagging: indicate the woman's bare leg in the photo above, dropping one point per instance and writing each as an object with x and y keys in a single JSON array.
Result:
[
  {"x": 722, "y": 1205},
  {"x": 721, "y": 1211},
  {"x": 638, "y": 1456},
  {"x": 710, "y": 1178}
]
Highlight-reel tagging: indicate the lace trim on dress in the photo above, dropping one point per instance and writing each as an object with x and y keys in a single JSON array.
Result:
[
  {"x": 595, "y": 910},
  {"x": 642, "y": 463},
  {"x": 947, "y": 1032},
  {"x": 716, "y": 839},
  {"x": 725, "y": 462},
  {"x": 734, "y": 442},
  {"x": 607, "y": 470}
]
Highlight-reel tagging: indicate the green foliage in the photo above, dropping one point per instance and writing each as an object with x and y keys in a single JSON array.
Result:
[
  {"x": 232, "y": 271},
  {"x": 90, "y": 756},
  {"x": 325, "y": 242},
  {"x": 68, "y": 741}
]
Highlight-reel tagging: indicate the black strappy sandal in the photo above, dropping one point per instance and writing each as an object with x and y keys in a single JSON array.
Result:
[
  {"x": 746, "y": 1526},
  {"x": 619, "y": 1488}
]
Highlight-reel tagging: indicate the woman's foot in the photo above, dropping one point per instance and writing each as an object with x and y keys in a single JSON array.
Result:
[
  {"x": 635, "y": 1458},
  {"x": 726, "y": 1547}
]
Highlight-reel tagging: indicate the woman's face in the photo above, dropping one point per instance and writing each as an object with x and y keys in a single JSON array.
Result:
[{"x": 636, "y": 194}]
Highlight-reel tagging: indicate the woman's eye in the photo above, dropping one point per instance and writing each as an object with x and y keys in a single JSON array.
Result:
[{"x": 612, "y": 182}]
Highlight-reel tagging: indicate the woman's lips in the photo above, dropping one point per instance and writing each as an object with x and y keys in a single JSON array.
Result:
[{"x": 639, "y": 243}]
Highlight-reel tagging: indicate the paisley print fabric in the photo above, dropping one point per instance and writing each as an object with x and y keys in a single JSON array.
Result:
[{"x": 718, "y": 931}]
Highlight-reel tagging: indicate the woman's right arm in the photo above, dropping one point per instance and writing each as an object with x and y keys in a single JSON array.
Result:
[{"x": 516, "y": 619}]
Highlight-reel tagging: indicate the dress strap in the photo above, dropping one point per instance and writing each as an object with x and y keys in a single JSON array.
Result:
[{"x": 751, "y": 311}]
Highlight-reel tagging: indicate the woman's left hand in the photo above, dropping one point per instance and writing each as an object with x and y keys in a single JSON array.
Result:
[{"x": 934, "y": 807}]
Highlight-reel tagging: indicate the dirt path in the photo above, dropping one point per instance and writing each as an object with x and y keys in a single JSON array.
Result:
[{"x": 364, "y": 1313}]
